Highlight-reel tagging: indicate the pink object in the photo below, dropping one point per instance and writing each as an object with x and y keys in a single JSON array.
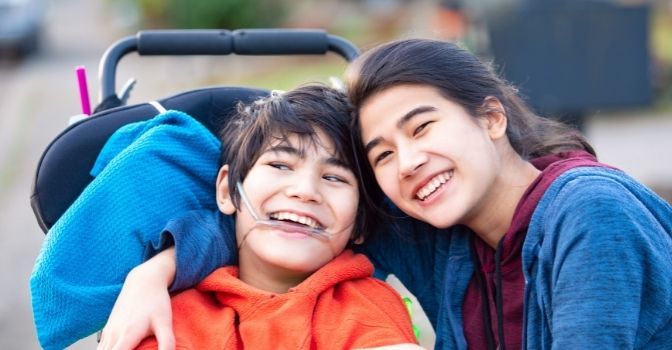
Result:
[{"x": 83, "y": 90}]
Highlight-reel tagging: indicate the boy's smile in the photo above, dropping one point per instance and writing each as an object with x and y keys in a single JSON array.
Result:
[
  {"x": 300, "y": 182},
  {"x": 299, "y": 218}
]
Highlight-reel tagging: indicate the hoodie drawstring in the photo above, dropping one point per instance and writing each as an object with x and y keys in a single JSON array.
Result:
[{"x": 499, "y": 302}]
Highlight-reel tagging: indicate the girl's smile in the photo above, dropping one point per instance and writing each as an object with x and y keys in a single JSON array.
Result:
[
  {"x": 433, "y": 186},
  {"x": 430, "y": 157}
]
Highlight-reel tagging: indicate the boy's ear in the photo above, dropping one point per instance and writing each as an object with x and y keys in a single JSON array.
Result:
[
  {"x": 495, "y": 117},
  {"x": 224, "y": 202}
]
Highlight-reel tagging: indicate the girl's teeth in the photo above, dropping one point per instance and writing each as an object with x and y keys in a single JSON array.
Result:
[{"x": 433, "y": 185}]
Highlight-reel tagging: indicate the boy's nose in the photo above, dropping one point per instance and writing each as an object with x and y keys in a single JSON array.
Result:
[{"x": 304, "y": 189}]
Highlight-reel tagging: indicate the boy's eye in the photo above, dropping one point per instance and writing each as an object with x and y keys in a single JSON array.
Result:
[
  {"x": 421, "y": 127},
  {"x": 335, "y": 178},
  {"x": 381, "y": 157}
]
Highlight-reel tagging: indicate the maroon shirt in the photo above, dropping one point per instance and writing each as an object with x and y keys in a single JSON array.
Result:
[{"x": 512, "y": 279}]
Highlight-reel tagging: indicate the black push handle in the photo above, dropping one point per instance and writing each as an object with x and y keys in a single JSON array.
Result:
[
  {"x": 184, "y": 42},
  {"x": 221, "y": 42}
]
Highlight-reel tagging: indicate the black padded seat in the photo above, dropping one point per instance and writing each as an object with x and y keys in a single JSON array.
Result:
[{"x": 63, "y": 170}]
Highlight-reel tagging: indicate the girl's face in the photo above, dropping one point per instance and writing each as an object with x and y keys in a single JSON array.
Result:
[
  {"x": 301, "y": 182},
  {"x": 431, "y": 158}
]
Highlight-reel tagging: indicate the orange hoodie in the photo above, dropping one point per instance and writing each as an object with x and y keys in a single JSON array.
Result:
[{"x": 340, "y": 306}]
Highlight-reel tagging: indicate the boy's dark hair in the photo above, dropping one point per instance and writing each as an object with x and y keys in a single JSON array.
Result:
[{"x": 304, "y": 111}]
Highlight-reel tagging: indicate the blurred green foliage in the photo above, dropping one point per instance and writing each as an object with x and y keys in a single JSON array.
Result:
[
  {"x": 289, "y": 74},
  {"x": 661, "y": 46},
  {"x": 225, "y": 14}
]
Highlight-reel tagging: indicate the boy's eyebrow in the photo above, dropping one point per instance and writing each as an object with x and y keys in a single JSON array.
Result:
[
  {"x": 284, "y": 148},
  {"x": 400, "y": 124},
  {"x": 291, "y": 150},
  {"x": 336, "y": 162}
]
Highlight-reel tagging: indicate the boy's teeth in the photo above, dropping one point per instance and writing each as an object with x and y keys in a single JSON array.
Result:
[
  {"x": 304, "y": 220},
  {"x": 433, "y": 185}
]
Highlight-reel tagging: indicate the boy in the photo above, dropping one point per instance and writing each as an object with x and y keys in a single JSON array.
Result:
[{"x": 296, "y": 286}]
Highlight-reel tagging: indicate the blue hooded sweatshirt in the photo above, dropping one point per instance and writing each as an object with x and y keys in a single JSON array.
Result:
[
  {"x": 597, "y": 262},
  {"x": 597, "y": 256}
]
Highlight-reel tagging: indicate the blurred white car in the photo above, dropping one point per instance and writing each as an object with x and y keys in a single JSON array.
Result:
[{"x": 21, "y": 25}]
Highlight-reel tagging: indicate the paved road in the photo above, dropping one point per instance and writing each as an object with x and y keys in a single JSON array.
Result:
[
  {"x": 36, "y": 98},
  {"x": 38, "y": 95}
]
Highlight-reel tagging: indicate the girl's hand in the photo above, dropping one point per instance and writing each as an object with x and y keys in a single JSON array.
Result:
[{"x": 143, "y": 306}]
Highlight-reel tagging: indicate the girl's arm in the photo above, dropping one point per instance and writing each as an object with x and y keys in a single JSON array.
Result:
[
  {"x": 143, "y": 306},
  {"x": 204, "y": 241}
]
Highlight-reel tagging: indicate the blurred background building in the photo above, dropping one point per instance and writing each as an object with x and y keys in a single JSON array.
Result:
[{"x": 605, "y": 66}]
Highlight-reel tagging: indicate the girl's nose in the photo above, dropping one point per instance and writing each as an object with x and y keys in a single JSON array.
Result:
[{"x": 409, "y": 160}]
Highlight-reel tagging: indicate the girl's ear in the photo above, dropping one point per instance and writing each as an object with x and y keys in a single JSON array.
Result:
[
  {"x": 495, "y": 117},
  {"x": 224, "y": 202}
]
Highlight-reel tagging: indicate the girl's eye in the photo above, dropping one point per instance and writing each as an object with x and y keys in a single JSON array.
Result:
[
  {"x": 421, "y": 128},
  {"x": 381, "y": 157},
  {"x": 280, "y": 166}
]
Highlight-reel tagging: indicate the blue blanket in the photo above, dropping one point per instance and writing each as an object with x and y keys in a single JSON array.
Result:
[{"x": 146, "y": 174}]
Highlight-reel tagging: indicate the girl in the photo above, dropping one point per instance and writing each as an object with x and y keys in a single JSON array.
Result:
[
  {"x": 561, "y": 251},
  {"x": 517, "y": 236}
]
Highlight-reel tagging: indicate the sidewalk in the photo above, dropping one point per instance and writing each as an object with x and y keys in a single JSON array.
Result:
[{"x": 638, "y": 142}]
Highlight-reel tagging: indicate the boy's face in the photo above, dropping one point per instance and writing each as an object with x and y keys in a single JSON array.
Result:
[{"x": 301, "y": 182}]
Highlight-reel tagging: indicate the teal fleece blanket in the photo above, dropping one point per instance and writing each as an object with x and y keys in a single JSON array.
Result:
[{"x": 146, "y": 174}]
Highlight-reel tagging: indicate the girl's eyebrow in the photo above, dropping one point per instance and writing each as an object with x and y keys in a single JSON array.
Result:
[
  {"x": 400, "y": 124},
  {"x": 412, "y": 113},
  {"x": 371, "y": 144}
]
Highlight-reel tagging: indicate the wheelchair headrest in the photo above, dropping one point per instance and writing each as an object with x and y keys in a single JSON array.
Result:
[{"x": 63, "y": 170}]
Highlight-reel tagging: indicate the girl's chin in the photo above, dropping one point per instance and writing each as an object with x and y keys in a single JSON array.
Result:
[{"x": 439, "y": 216}]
